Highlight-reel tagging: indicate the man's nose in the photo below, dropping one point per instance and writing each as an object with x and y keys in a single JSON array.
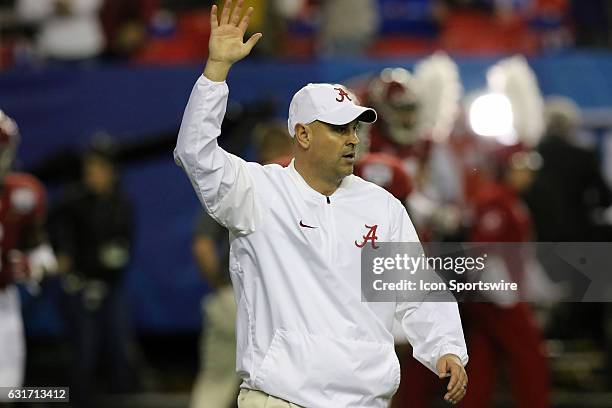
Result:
[{"x": 353, "y": 138}]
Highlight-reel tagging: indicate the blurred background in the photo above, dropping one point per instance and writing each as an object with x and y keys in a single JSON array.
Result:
[{"x": 495, "y": 125}]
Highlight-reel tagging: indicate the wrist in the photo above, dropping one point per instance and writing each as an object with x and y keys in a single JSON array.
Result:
[
  {"x": 451, "y": 356},
  {"x": 217, "y": 70}
]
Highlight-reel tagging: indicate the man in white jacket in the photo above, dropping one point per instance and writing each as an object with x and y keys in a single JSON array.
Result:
[{"x": 304, "y": 337}]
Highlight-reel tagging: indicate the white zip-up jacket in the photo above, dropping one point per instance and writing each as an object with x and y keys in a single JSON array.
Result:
[{"x": 303, "y": 333}]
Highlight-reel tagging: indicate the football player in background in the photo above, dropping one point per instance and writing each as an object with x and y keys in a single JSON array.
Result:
[
  {"x": 492, "y": 323},
  {"x": 25, "y": 255},
  {"x": 417, "y": 111}
]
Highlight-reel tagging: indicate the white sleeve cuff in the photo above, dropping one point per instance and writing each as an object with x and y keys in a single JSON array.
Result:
[
  {"x": 204, "y": 79},
  {"x": 453, "y": 349}
]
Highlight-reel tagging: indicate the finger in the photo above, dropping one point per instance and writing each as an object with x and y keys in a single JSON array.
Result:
[
  {"x": 236, "y": 13},
  {"x": 454, "y": 386},
  {"x": 460, "y": 396},
  {"x": 458, "y": 390},
  {"x": 457, "y": 396},
  {"x": 461, "y": 384},
  {"x": 244, "y": 23},
  {"x": 454, "y": 377},
  {"x": 214, "y": 20},
  {"x": 443, "y": 371},
  {"x": 227, "y": 6},
  {"x": 454, "y": 399},
  {"x": 253, "y": 40}
]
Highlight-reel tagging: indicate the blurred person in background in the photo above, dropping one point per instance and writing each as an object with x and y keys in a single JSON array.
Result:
[
  {"x": 415, "y": 109},
  {"x": 572, "y": 178},
  {"x": 410, "y": 106},
  {"x": 272, "y": 143},
  {"x": 126, "y": 23},
  {"x": 69, "y": 30},
  {"x": 217, "y": 384},
  {"x": 94, "y": 241},
  {"x": 568, "y": 200},
  {"x": 493, "y": 322},
  {"x": 347, "y": 26},
  {"x": 25, "y": 254},
  {"x": 494, "y": 213},
  {"x": 276, "y": 17},
  {"x": 386, "y": 171}
]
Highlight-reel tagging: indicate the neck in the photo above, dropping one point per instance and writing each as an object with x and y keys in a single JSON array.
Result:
[{"x": 323, "y": 185}]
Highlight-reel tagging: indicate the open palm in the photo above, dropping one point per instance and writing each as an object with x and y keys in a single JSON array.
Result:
[{"x": 227, "y": 33}]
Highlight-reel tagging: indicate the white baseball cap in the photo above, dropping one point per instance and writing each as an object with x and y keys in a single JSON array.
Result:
[{"x": 329, "y": 103}]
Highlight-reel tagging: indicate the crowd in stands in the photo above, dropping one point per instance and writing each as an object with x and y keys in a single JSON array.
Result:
[{"x": 163, "y": 31}]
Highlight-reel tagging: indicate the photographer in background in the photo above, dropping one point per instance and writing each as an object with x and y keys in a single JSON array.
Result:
[{"x": 94, "y": 228}]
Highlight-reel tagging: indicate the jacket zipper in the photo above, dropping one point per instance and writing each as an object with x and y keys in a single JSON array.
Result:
[{"x": 332, "y": 231}]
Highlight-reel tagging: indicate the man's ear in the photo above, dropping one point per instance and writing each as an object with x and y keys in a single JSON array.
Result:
[{"x": 303, "y": 135}]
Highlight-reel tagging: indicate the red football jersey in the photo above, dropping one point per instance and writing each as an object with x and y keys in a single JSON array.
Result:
[
  {"x": 500, "y": 215},
  {"x": 22, "y": 210},
  {"x": 418, "y": 150},
  {"x": 386, "y": 171}
]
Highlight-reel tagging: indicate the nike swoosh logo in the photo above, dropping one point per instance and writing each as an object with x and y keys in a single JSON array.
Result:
[{"x": 304, "y": 225}]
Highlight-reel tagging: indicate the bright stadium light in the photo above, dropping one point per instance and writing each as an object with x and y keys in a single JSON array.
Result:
[{"x": 491, "y": 116}]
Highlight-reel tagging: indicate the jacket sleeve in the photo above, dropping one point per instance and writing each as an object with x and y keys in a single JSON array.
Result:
[
  {"x": 222, "y": 181},
  {"x": 431, "y": 323}
]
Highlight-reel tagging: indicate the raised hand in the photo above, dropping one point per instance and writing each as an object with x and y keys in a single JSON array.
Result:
[{"x": 226, "y": 45}]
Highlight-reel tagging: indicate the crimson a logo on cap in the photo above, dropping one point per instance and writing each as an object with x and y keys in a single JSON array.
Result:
[{"x": 342, "y": 94}]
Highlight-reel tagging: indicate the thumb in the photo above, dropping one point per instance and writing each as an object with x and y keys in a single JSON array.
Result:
[{"x": 253, "y": 40}]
